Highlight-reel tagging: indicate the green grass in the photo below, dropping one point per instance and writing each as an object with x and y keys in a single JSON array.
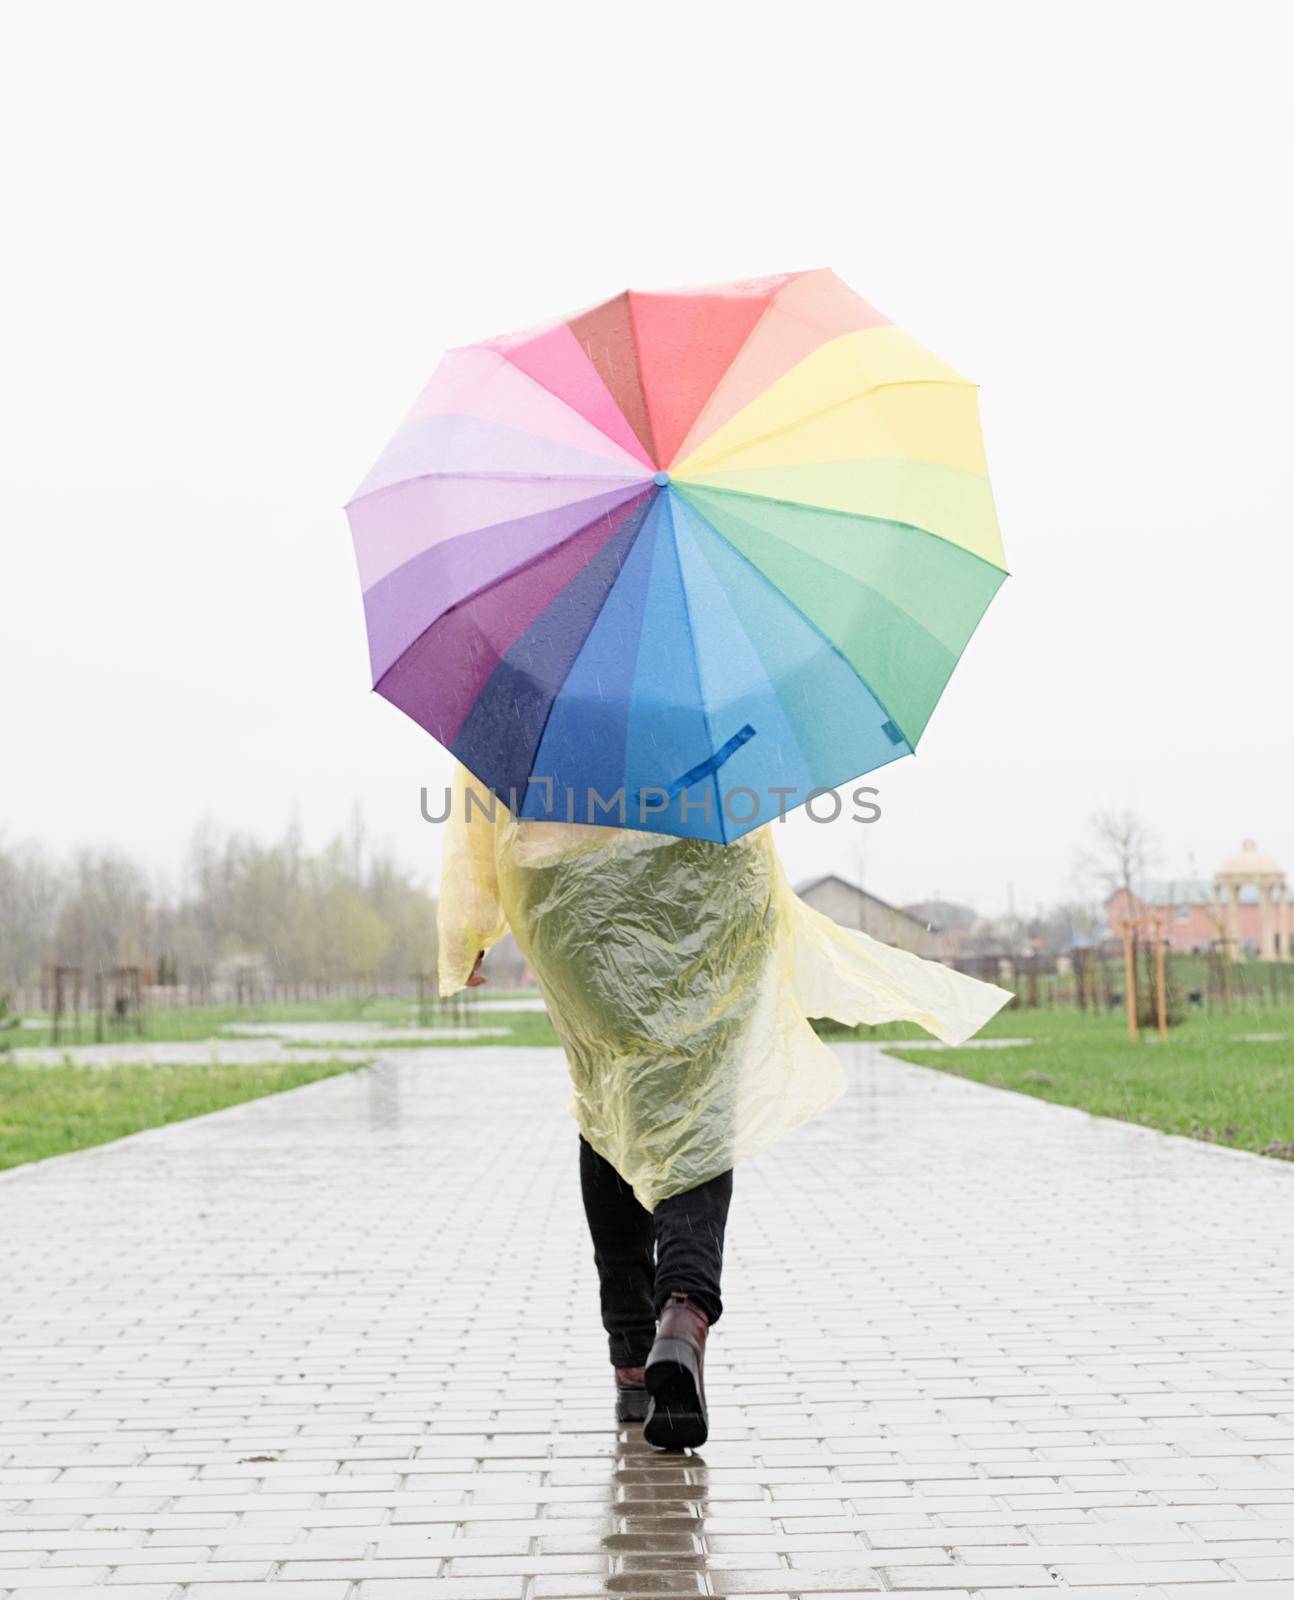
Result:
[
  {"x": 45, "y": 1111},
  {"x": 207, "y": 1022},
  {"x": 1067, "y": 1022},
  {"x": 1016, "y": 1023},
  {"x": 1204, "y": 1082}
]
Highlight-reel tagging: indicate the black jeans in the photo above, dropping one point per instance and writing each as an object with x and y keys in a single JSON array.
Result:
[{"x": 643, "y": 1257}]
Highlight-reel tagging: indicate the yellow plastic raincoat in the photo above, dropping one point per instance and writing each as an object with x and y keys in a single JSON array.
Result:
[{"x": 679, "y": 976}]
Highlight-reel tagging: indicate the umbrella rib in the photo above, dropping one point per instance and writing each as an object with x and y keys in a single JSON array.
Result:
[
  {"x": 862, "y": 583},
  {"x": 705, "y": 522},
  {"x": 653, "y": 449},
  {"x": 786, "y": 600},
  {"x": 719, "y": 382},
  {"x": 522, "y": 566},
  {"x": 612, "y": 478},
  {"x": 824, "y": 411},
  {"x": 683, "y": 484},
  {"x": 818, "y": 560},
  {"x": 696, "y": 657},
  {"x": 593, "y": 622},
  {"x": 561, "y": 400}
]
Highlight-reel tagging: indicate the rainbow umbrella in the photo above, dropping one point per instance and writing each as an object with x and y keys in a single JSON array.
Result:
[{"x": 683, "y": 560}]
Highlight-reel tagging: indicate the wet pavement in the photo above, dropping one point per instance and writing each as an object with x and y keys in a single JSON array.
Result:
[
  {"x": 346, "y": 1340},
  {"x": 355, "y": 1033},
  {"x": 248, "y": 1044}
]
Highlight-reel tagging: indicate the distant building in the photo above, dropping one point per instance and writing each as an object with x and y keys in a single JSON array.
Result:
[
  {"x": 1186, "y": 905},
  {"x": 852, "y": 907},
  {"x": 952, "y": 924},
  {"x": 1244, "y": 908},
  {"x": 945, "y": 914}
]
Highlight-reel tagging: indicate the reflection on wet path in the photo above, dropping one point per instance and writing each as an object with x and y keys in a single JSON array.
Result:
[{"x": 659, "y": 1508}]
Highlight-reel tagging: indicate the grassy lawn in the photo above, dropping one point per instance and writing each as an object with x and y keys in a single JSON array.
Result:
[
  {"x": 45, "y": 1111},
  {"x": 208, "y": 1022},
  {"x": 1067, "y": 1022},
  {"x": 1207, "y": 1081}
]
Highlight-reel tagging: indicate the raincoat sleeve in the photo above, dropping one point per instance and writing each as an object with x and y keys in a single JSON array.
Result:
[
  {"x": 469, "y": 915},
  {"x": 844, "y": 974}
]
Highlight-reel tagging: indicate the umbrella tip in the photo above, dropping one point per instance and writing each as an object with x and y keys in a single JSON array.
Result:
[{"x": 660, "y": 479}]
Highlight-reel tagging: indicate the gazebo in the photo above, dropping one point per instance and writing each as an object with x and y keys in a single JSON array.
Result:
[{"x": 1252, "y": 866}]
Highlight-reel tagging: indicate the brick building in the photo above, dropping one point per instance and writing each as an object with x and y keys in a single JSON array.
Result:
[
  {"x": 1186, "y": 904},
  {"x": 1245, "y": 907}
]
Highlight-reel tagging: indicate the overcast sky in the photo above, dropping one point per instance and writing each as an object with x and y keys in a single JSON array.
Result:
[{"x": 239, "y": 236}]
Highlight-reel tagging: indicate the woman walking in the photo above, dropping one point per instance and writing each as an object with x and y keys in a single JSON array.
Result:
[{"x": 680, "y": 975}]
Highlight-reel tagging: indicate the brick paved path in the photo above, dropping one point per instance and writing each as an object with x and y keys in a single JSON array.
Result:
[{"x": 346, "y": 1340}]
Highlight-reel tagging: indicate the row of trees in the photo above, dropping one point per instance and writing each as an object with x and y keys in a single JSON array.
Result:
[
  {"x": 305, "y": 916},
  {"x": 345, "y": 910}
]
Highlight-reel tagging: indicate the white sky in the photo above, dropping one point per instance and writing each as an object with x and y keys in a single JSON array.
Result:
[{"x": 238, "y": 236}]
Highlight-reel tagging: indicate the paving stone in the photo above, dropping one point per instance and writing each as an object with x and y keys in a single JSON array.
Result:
[
  {"x": 139, "y": 1591},
  {"x": 346, "y": 1340}
]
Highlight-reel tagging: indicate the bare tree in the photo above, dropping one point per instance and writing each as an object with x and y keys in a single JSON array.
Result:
[
  {"x": 1067, "y": 924},
  {"x": 32, "y": 888},
  {"x": 305, "y": 915},
  {"x": 1120, "y": 847},
  {"x": 358, "y": 835}
]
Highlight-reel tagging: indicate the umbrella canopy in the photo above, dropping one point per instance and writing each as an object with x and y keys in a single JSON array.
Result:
[{"x": 683, "y": 560}]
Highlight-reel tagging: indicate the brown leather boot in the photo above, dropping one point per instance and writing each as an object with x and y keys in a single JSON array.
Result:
[
  {"x": 631, "y": 1394},
  {"x": 676, "y": 1415}
]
